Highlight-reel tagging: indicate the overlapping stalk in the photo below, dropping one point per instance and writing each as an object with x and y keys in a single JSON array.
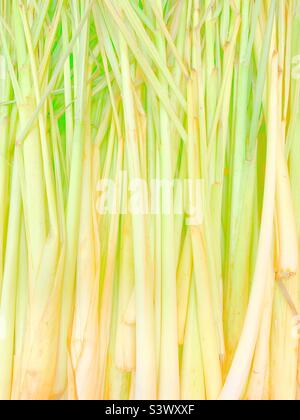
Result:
[{"x": 150, "y": 212}]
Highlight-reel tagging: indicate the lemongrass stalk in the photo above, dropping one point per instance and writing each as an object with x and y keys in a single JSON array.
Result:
[
  {"x": 225, "y": 23},
  {"x": 184, "y": 275},
  {"x": 208, "y": 336},
  {"x": 207, "y": 326},
  {"x": 157, "y": 218},
  {"x": 298, "y": 379},
  {"x": 284, "y": 353},
  {"x": 60, "y": 173},
  {"x": 50, "y": 40},
  {"x": 5, "y": 110},
  {"x": 105, "y": 221},
  {"x": 38, "y": 353},
  {"x": 256, "y": 390},
  {"x": 60, "y": 64},
  {"x": 237, "y": 283},
  {"x": 223, "y": 136},
  {"x": 74, "y": 198},
  {"x": 9, "y": 289},
  {"x": 262, "y": 64},
  {"x": 294, "y": 105},
  {"x": 281, "y": 42},
  {"x": 67, "y": 91},
  {"x": 141, "y": 126},
  {"x": 102, "y": 29},
  {"x": 39, "y": 22},
  {"x": 211, "y": 70},
  {"x": 150, "y": 48},
  {"x": 85, "y": 330},
  {"x": 288, "y": 54},
  {"x": 151, "y": 164},
  {"x": 100, "y": 305},
  {"x": 295, "y": 80},
  {"x": 249, "y": 169},
  {"x": 155, "y": 230},
  {"x": 5, "y": 168},
  {"x": 216, "y": 168},
  {"x": 229, "y": 55},
  {"x": 132, "y": 387},
  {"x": 239, "y": 371},
  {"x": 266, "y": 393},
  {"x": 192, "y": 370},
  {"x": 121, "y": 355},
  {"x": 118, "y": 381},
  {"x": 36, "y": 215},
  {"x": 111, "y": 94},
  {"x": 169, "y": 364},
  {"x": 177, "y": 11},
  {"x": 226, "y": 196},
  {"x": 45, "y": 290},
  {"x": 237, "y": 291},
  {"x": 254, "y": 25},
  {"x": 143, "y": 16},
  {"x": 145, "y": 379},
  {"x": 294, "y": 142},
  {"x": 158, "y": 265},
  {"x": 182, "y": 37},
  {"x": 130, "y": 313},
  {"x": 49, "y": 184},
  {"x": 179, "y": 217},
  {"x": 284, "y": 346},
  {"x": 287, "y": 241},
  {"x": 169, "y": 40},
  {"x": 106, "y": 304},
  {"x": 148, "y": 72},
  {"x": 202, "y": 159},
  {"x": 125, "y": 336},
  {"x": 21, "y": 307},
  {"x": 207, "y": 142}
]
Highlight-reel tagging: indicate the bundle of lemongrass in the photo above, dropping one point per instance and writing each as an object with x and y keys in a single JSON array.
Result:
[{"x": 150, "y": 199}]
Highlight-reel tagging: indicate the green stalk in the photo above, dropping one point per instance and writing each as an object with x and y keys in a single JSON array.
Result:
[
  {"x": 85, "y": 346},
  {"x": 21, "y": 306},
  {"x": 9, "y": 290},
  {"x": 192, "y": 371},
  {"x": 244, "y": 171},
  {"x": 169, "y": 364},
  {"x": 207, "y": 326},
  {"x": 259, "y": 376},
  {"x": 74, "y": 199},
  {"x": 39, "y": 357},
  {"x": 145, "y": 387},
  {"x": 4, "y": 165},
  {"x": 184, "y": 276},
  {"x": 132, "y": 42},
  {"x": 225, "y": 22},
  {"x": 106, "y": 303},
  {"x": 239, "y": 371},
  {"x": 134, "y": 304},
  {"x": 215, "y": 179},
  {"x": 285, "y": 347},
  {"x": 118, "y": 381},
  {"x": 210, "y": 65},
  {"x": 68, "y": 92},
  {"x": 35, "y": 212},
  {"x": 125, "y": 336}
]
